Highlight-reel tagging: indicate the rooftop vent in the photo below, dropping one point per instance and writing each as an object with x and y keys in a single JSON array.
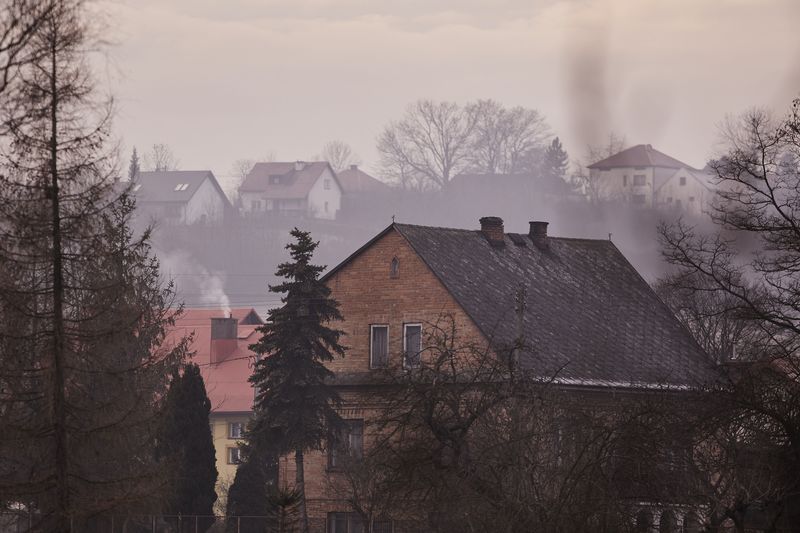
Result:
[{"x": 492, "y": 229}]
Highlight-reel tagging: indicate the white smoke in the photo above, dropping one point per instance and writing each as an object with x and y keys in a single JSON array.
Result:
[{"x": 194, "y": 284}]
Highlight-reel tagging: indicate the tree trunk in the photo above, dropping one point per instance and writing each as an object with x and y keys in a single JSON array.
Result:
[
  {"x": 300, "y": 485},
  {"x": 62, "y": 510}
]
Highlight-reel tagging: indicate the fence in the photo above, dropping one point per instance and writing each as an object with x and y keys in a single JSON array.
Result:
[{"x": 26, "y": 522}]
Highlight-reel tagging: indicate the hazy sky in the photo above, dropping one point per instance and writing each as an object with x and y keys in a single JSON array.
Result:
[{"x": 222, "y": 80}]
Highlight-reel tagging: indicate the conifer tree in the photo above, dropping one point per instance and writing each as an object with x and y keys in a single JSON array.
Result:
[
  {"x": 188, "y": 446},
  {"x": 295, "y": 406},
  {"x": 556, "y": 160},
  {"x": 133, "y": 167}
]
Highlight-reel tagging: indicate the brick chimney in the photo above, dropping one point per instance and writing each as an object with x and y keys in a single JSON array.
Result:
[
  {"x": 492, "y": 229},
  {"x": 538, "y": 234},
  {"x": 224, "y": 333}
]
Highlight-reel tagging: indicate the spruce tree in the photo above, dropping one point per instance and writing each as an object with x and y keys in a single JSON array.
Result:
[
  {"x": 188, "y": 447},
  {"x": 295, "y": 405},
  {"x": 133, "y": 167},
  {"x": 556, "y": 160}
]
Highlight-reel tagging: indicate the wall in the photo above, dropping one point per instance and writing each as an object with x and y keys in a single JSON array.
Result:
[
  {"x": 318, "y": 195},
  {"x": 611, "y": 184},
  {"x": 219, "y": 432},
  {"x": 205, "y": 201},
  {"x": 693, "y": 197}
]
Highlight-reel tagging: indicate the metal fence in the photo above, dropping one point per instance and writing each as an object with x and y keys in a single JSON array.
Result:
[{"x": 26, "y": 522}]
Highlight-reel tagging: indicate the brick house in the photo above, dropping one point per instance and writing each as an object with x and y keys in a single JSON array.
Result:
[{"x": 596, "y": 323}]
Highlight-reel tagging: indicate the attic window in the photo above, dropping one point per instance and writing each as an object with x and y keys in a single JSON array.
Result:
[
  {"x": 394, "y": 268},
  {"x": 683, "y": 180},
  {"x": 181, "y": 186},
  {"x": 274, "y": 180}
]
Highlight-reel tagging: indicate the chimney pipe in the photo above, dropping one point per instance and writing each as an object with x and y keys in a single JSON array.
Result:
[
  {"x": 538, "y": 234},
  {"x": 492, "y": 229},
  {"x": 224, "y": 338}
]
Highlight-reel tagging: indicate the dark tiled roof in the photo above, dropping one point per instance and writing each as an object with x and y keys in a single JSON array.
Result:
[
  {"x": 354, "y": 181},
  {"x": 292, "y": 183},
  {"x": 590, "y": 316},
  {"x": 641, "y": 155},
  {"x": 160, "y": 186}
]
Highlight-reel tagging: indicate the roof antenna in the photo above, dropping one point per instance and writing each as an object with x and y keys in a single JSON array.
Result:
[
  {"x": 392, "y": 219},
  {"x": 609, "y": 236}
]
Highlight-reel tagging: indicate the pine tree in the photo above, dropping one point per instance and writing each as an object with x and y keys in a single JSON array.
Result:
[
  {"x": 133, "y": 166},
  {"x": 556, "y": 160},
  {"x": 250, "y": 493},
  {"x": 188, "y": 445},
  {"x": 295, "y": 406}
]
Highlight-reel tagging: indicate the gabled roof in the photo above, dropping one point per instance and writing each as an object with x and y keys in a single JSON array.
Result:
[
  {"x": 355, "y": 181},
  {"x": 641, "y": 155},
  {"x": 161, "y": 186},
  {"x": 292, "y": 183},
  {"x": 590, "y": 320},
  {"x": 226, "y": 382}
]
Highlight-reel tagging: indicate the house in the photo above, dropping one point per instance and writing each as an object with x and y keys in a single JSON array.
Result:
[
  {"x": 527, "y": 187},
  {"x": 181, "y": 196},
  {"x": 645, "y": 177},
  {"x": 363, "y": 195},
  {"x": 306, "y": 189},
  {"x": 221, "y": 349},
  {"x": 597, "y": 326}
]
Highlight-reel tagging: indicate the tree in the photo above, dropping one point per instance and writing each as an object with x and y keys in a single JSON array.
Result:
[
  {"x": 19, "y": 22},
  {"x": 556, "y": 161},
  {"x": 160, "y": 158},
  {"x": 505, "y": 140},
  {"x": 749, "y": 264},
  {"x": 133, "y": 166},
  {"x": 187, "y": 445},
  {"x": 339, "y": 154},
  {"x": 429, "y": 145},
  {"x": 295, "y": 406},
  {"x": 83, "y": 311},
  {"x": 589, "y": 183}
]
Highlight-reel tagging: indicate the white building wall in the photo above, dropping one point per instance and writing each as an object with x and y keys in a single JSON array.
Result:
[
  {"x": 205, "y": 201},
  {"x": 325, "y": 202},
  {"x": 692, "y": 196},
  {"x": 624, "y": 184}
]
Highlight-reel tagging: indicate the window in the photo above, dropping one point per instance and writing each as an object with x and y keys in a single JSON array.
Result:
[
  {"x": 274, "y": 180},
  {"x": 394, "y": 268},
  {"x": 327, "y": 184},
  {"x": 270, "y": 205},
  {"x": 625, "y": 180},
  {"x": 255, "y": 205},
  {"x": 181, "y": 186},
  {"x": 639, "y": 179},
  {"x": 683, "y": 180},
  {"x": 349, "y": 445},
  {"x": 234, "y": 456},
  {"x": 235, "y": 430},
  {"x": 378, "y": 346},
  {"x": 326, "y": 207},
  {"x": 353, "y": 523},
  {"x": 412, "y": 345},
  {"x": 691, "y": 198},
  {"x": 639, "y": 199}
]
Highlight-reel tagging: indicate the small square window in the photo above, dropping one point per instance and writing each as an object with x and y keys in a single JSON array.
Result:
[
  {"x": 683, "y": 180},
  {"x": 691, "y": 198},
  {"x": 234, "y": 456},
  {"x": 412, "y": 345},
  {"x": 236, "y": 430},
  {"x": 379, "y": 346}
]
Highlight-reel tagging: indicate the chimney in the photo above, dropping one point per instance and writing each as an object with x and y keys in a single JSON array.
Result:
[
  {"x": 353, "y": 167},
  {"x": 538, "y": 234},
  {"x": 492, "y": 229},
  {"x": 224, "y": 333},
  {"x": 299, "y": 165}
]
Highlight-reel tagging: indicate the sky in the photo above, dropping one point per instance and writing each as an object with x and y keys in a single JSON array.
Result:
[{"x": 224, "y": 80}]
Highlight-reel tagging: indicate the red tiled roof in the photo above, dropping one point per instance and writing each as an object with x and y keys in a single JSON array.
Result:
[
  {"x": 641, "y": 155},
  {"x": 355, "y": 180},
  {"x": 226, "y": 382},
  {"x": 294, "y": 184}
]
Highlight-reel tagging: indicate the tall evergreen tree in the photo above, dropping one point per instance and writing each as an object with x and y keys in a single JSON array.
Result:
[
  {"x": 295, "y": 406},
  {"x": 250, "y": 505},
  {"x": 556, "y": 160},
  {"x": 188, "y": 445},
  {"x": 133, "y": 167}
]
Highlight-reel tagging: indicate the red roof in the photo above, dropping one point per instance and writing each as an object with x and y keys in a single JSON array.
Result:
[
  {"x": 227, "y": 381},
  {"x": 284, "y": 180},
  {"x": 641, "y": 155},
  {"x": 354, "y": 180}
]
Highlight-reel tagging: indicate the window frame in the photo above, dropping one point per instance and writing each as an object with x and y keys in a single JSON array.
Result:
[
  {"x": 230, "y": 453},
  {"x": 326, "y": 184},
  {"x": 640, "y": 180},
  {"x": 405, "y": 347},
  {"x": 230, "y": 430},
  {"x": 372, "y": 364},
  {"x": 682, "y": 181},
  {"x": 344, "y": 447}
]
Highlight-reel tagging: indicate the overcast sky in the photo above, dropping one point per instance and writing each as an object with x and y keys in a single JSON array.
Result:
[{"x": 222, "y": 80}]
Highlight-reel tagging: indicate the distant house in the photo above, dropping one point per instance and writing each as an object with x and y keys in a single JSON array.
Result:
[
  {"x": 181, "y": 196},
  {"x": 309, "y": 189},
  {"x": 221, "y": 349},
  {"x": 359, "y": 189},
  {"x": 645, "y": 177},
  {"x": 525, "y": 185}
]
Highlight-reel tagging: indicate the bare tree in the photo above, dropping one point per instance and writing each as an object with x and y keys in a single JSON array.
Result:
[
  {"x": 19, "y": 20},
  {"x": 339, "y": 154},
  {"x": 590, "y": 183},
  {"x": 160, "y": 158},
  {"x": 506, "y": 140},
  {"x": 429, "y": 145}
]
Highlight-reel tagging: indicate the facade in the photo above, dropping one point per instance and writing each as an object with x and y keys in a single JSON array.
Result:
[
  {"x": 220, "y": 347},
  {"x": 181, "y": 197},
  {"x": 304, "y": 189},
  {"x": 644, "y": 177},
  {"x": 596, "y": 324}
]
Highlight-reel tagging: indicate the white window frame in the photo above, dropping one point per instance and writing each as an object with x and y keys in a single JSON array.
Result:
[
  {"x": 234, "y": 450},
  {"x": 371, "y": 327},
  {"x": 230, "y": 430},
  {"x": 405, "y": 348}
]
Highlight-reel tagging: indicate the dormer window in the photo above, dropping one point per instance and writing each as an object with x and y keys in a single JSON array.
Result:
[
  {"x": 394, "y": 268},
  {"x": 181, "y": 186},
  {"x": 274, "y": 180}
]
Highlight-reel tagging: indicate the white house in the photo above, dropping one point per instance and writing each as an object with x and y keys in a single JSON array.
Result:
[
  {"x": 181, "y": 196},
  {"x": 645, "y": 177},
  {"x": 297, "y": 188}
]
